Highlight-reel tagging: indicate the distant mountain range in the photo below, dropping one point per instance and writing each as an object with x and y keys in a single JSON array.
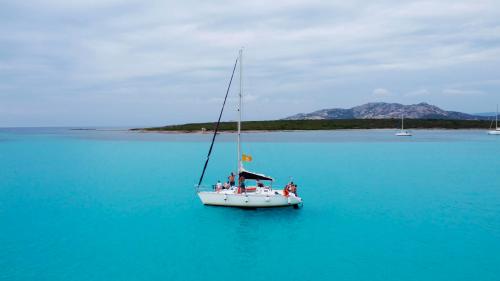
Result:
[{"x": 382, "y": 110}]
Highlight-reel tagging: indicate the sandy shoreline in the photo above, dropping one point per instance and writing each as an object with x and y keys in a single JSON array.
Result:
[
  {"x": 292, "y": 131},
  {"x": 220, "y": 132}
]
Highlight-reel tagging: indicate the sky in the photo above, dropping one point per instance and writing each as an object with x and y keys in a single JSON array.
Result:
[{"x": 149, "y": 63}]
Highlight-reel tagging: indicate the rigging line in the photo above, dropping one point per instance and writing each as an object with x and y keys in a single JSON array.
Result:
[{"x": 217, "y": 125}]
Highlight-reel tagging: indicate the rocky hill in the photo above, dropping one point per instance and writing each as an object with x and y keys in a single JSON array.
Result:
[{"x": 382, "y": 110}]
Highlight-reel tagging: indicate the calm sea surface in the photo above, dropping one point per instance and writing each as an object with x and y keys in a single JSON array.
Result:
[{"x": 118, "y": 205}]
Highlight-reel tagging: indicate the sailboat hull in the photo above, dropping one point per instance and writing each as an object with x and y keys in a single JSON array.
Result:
[
  {"x": 494, "y": 132},
  {"x": 248, "y": 200},
  {"x": 403, "y": 134}
]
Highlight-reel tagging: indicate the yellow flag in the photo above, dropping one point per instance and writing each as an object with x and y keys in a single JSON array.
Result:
[{"x": 246, "y": 158}]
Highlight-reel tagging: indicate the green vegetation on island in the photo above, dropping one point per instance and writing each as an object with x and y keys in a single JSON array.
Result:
[{"x": 338, "y": 124}]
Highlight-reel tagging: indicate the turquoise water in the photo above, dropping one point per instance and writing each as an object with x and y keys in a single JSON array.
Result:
[{"x": 114, "y": 205}]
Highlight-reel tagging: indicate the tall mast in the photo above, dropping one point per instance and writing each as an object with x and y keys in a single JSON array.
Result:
[
  {"x": 239, "y": 111},
  {"x": 496, "y": 119},
  {"x": 402, "y": 122},
  {"x": 217, "y": 126}
]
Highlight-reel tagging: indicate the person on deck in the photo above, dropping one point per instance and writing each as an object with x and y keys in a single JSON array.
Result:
[
  {"x": 286, "y": 190},
  {"x": 226, "y": 185},
  {"x": 231, "y": 179},
  {"x": 218, "y": 186},
  {"x": 259, "y": 184},
  {"x": 241, "y": 184}
]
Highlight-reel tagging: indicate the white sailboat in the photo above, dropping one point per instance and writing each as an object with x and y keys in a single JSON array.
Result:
[
  {"x": 252, "y": 196},
  {"x": 403, "y": 132},
  {"x": 497, "y": 130}
]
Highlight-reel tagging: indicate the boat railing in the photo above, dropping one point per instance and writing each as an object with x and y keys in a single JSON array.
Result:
[{"x": 203, "y": 187}]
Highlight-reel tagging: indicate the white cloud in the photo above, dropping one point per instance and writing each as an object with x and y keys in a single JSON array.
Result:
[
  {"x": 418, "y": 93},
  {"x": 461, "y": 92},
  {"x": 381, "y": 93},
  {"x": 490, "y": 82}
]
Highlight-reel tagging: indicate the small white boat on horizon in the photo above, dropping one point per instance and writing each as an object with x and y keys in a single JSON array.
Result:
[
  {"x": 494, "y": 132},
  {"x": 497, "y": 130},
  {"x": 403, "y": 132},
  {"x": 258, "y": 195}
]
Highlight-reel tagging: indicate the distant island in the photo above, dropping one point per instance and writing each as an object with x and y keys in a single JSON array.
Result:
[
  {"x": 382, "y": 110},
  {"x": 368, "y": 116},
  {"x": 291, "y": 125}
]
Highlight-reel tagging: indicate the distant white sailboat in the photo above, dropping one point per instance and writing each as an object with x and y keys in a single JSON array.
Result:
[
  {"x": 259, "y": 195},
  {"x": 403, "y": 132},
  {"x": 497, "y": 130}
]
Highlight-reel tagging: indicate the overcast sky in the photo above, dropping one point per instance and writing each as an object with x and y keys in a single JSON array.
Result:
[{"x": 134, "y": 63}]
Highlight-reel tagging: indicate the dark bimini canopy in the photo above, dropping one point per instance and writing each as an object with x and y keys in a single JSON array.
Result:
[{"x": 253, "y": 176}]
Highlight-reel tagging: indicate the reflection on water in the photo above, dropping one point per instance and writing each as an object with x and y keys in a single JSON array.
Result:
[{"x": 252, "y": 233}]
